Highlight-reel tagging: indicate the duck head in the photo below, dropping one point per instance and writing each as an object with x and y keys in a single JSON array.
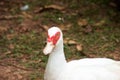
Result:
[{"x": 53, "y": 39}]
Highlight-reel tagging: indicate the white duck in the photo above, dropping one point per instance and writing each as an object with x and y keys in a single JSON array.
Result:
[{"x": 84, "y": 69}]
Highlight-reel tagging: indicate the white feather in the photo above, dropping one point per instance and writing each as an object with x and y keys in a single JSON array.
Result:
[{"x": 84, "y": 69}]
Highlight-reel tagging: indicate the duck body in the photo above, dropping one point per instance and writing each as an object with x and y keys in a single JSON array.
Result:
[
  {"x": 84, "y": 69},
  {"x": 91, "y": 69}
]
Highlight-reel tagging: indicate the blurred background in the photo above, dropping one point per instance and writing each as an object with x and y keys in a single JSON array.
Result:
[{"x": 91, "y": 28}]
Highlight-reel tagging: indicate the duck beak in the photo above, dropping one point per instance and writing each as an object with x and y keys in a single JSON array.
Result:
[{"x": 48, "y": 48}]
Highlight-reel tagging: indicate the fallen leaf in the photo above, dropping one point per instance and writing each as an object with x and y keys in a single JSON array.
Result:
[
  {"x": 65, "y": 27},
  {"x": 82, "y": 22},
  {"x": 66, "y": 40},
  {"x": 38, "y": 10},
  {"x": 79, "y": 47},
  {"x": 19, "y": 76},
  {"x": 3, "y": 29},
  {"x": 99, "y": 23},
  {"x": 55, "y": 7},
  {"x": 8, "y": 52},
  {"x": 112, "y": 4},
  {"x": 10, "y": 36},
  {"x": 11, "y": 46},
  {"x": 8, "y": 70},
  {"x": 27, "y": 15},
  {"x": 72, "y": 42},
  {"x": 45, "y": 27}
]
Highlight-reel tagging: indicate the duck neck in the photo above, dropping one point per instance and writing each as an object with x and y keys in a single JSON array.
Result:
[
  {"x": 56, "y": 60},
  {"x": 57, "y": 57}
]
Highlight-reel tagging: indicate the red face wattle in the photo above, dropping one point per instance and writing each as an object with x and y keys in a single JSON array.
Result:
[{"x": 54, "y": 38}]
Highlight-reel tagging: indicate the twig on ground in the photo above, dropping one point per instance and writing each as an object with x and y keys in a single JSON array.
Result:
[
  {"x": 9, "y": 17},
  {"x": 9, "y": 64},
  {"x": 50, "y": 7}
]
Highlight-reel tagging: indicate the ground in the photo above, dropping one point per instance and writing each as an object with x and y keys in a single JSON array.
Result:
[{"x": 91, "y": 29}]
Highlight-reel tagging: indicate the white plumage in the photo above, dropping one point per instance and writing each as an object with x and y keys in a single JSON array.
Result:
[{"x": 84, "y": 69}]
